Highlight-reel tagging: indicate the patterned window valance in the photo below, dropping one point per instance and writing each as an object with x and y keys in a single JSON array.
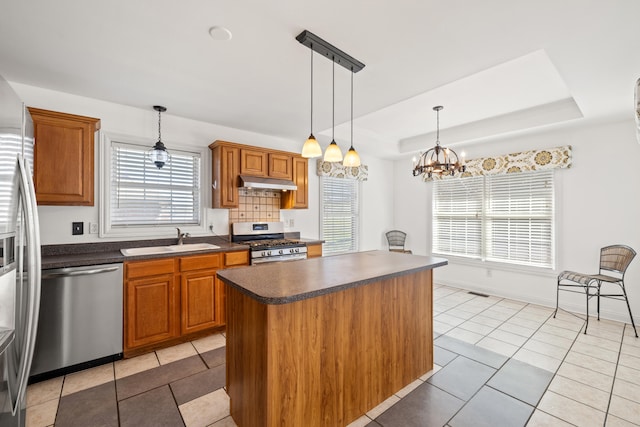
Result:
[
  {"x": 336, "y": 170},
  {"x": 525, "y": 161}
]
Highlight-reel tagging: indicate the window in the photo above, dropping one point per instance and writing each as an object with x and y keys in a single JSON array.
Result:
[
  {"x": 503, "y": 218},
  {"x": 340, "y": 210},
  {"x": 143, "y": 195}
]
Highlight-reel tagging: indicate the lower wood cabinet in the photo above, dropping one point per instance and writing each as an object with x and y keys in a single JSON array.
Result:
[
  {"x": 314, "y": 250},
  {"x": 151, "y": 304},
  {"x": 171, "y": 300},
  {"x": 200, "y": 308}
]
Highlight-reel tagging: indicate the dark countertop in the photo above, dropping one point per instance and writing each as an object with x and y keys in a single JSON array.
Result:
[
  {"x": 285, "y": 282},
  {"x": 83, "y": 254}
]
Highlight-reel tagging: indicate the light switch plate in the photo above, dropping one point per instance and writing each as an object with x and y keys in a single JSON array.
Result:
[{"x": 93, "y": 228}]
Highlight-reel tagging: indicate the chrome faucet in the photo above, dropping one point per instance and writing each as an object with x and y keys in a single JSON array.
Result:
[{"x": 182, "y": 236}]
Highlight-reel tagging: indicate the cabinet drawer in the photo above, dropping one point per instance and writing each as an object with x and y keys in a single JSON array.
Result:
[
  {"x": 199, "y": 262},
  {"x": 236, "y": 258},
  {"x": 156, "y": 267}
]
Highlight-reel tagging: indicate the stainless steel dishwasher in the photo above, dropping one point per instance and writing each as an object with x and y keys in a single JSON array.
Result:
[{"x": 80, "y": 321}]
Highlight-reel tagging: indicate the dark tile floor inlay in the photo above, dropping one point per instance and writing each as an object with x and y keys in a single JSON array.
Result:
[
  {"x": 426, "y": 406},
  {"x": 153, "y": 408},
  {"x": 95, "y": 406}
]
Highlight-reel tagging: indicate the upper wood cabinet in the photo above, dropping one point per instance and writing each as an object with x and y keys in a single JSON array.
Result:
[
  {"x": 63, "y": 157},
  {"x": 253, "y": 162},
  {"x": 263, "y": 163},
  {"x": 280, "y": 166},
  {"x": 230, "y": 160},
  {"x": 225, "y": 171},
  {"x": 298, "y": 199}
]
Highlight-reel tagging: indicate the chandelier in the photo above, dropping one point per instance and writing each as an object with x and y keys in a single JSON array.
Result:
[{"x": 438, "y": 160}]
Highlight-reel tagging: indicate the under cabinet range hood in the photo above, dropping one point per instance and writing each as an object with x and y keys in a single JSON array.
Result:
[{"x": 248, "y": 181}]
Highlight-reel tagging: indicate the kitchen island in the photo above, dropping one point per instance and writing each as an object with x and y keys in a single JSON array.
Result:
[{"x": 319, "y": 342}]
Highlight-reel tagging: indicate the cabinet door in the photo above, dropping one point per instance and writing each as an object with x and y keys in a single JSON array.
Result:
[
  {"x": 297, "y": 199},
  {"x": 63, "y": 157},
  {"x": 314, "y": 251},
  {"x": 151, "y": 310},
  {"x": 200, "y": 305},
  {"x": 225, "y": 170},
  {"x": 280, "y": 166},
  {"x": 253, "y": 162}
]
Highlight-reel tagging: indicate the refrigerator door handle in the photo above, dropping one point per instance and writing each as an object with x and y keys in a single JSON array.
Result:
[{"x": 30, "y": 211}]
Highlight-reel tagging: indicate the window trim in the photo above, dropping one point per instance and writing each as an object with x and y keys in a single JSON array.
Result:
[
  {"x": 358, "y": 228},
  {"x": 547, "y": 271},
  {"x": 106, "y": 230}
]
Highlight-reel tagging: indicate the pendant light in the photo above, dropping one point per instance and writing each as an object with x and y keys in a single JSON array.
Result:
[
  {"x": 333, "y": 152},
  {"x": 438, "y": 160},
  {"x": 311, "y": 147},
  {"x": 351, "y": 159},
  {"x": 158, "y": 154}
]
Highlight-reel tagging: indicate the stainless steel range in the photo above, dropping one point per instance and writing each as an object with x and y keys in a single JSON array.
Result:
[{"x": 266, "y": 242}]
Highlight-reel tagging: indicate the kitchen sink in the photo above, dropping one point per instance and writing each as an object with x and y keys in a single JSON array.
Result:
[
  {"x": 192, "y": 247},
  {"x": 153, "y": 250}
]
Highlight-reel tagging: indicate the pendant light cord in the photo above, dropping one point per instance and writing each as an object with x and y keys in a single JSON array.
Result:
[
  {"x": 311, "y": 48},
  {"x": 351, "y": 107},
  {"x": 159, "y": 134},
  {"x": 333, "y": 97}
]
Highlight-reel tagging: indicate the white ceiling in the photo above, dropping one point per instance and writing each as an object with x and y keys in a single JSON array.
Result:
[{"x": 497, "y": 66}]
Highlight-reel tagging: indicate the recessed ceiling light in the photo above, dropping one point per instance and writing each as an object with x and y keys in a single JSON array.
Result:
[{"x": 220, "y": 33}]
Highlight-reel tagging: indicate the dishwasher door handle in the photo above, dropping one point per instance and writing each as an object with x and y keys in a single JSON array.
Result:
[{"x": 79, "y": 272}]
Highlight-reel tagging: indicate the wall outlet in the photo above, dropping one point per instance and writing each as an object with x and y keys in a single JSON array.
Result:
[
  {"x": 77, "y": 228},
  {"x": 291, "y": 223},
  {"x": 93, "y": 228}
]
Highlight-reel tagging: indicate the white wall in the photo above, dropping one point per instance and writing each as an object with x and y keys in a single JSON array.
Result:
[
  {"x": 138, "y": 124},
  {"x": 597, "y": 205}
]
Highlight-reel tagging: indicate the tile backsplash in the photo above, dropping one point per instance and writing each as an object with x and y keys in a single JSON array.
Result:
[{"x": 256, "y": 205}]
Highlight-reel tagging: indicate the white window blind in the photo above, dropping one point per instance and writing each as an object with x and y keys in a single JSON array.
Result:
[
  {"x": 457, "y": 216},
  {"x": 340, "y": 210},
  {"x": 503, "y": 218},
  {"x": 142, "y": 194}
]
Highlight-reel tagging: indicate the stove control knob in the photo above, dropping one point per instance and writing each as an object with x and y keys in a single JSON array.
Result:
[
  {"x": 280, "y": 252},
  {"x": 297, "y": 250}
]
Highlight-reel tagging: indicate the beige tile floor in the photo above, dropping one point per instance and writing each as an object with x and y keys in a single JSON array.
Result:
[{"x": 596, "y": 382}]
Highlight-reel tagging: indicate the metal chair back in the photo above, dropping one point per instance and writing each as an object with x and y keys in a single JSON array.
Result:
[
  {"x": 396, "y": 239},
  {"x": 616, "y": 258}
]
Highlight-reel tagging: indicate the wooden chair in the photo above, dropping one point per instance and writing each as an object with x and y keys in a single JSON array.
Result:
[
  {"x": 395, "y": 239},
  {"x": 614, "y": 261}
]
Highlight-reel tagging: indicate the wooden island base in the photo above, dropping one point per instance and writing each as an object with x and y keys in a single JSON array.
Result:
[{"x": 327, "y": 360}]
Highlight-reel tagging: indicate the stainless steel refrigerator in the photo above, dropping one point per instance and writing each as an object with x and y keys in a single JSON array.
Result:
[{"x": 19, "y": 256}]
